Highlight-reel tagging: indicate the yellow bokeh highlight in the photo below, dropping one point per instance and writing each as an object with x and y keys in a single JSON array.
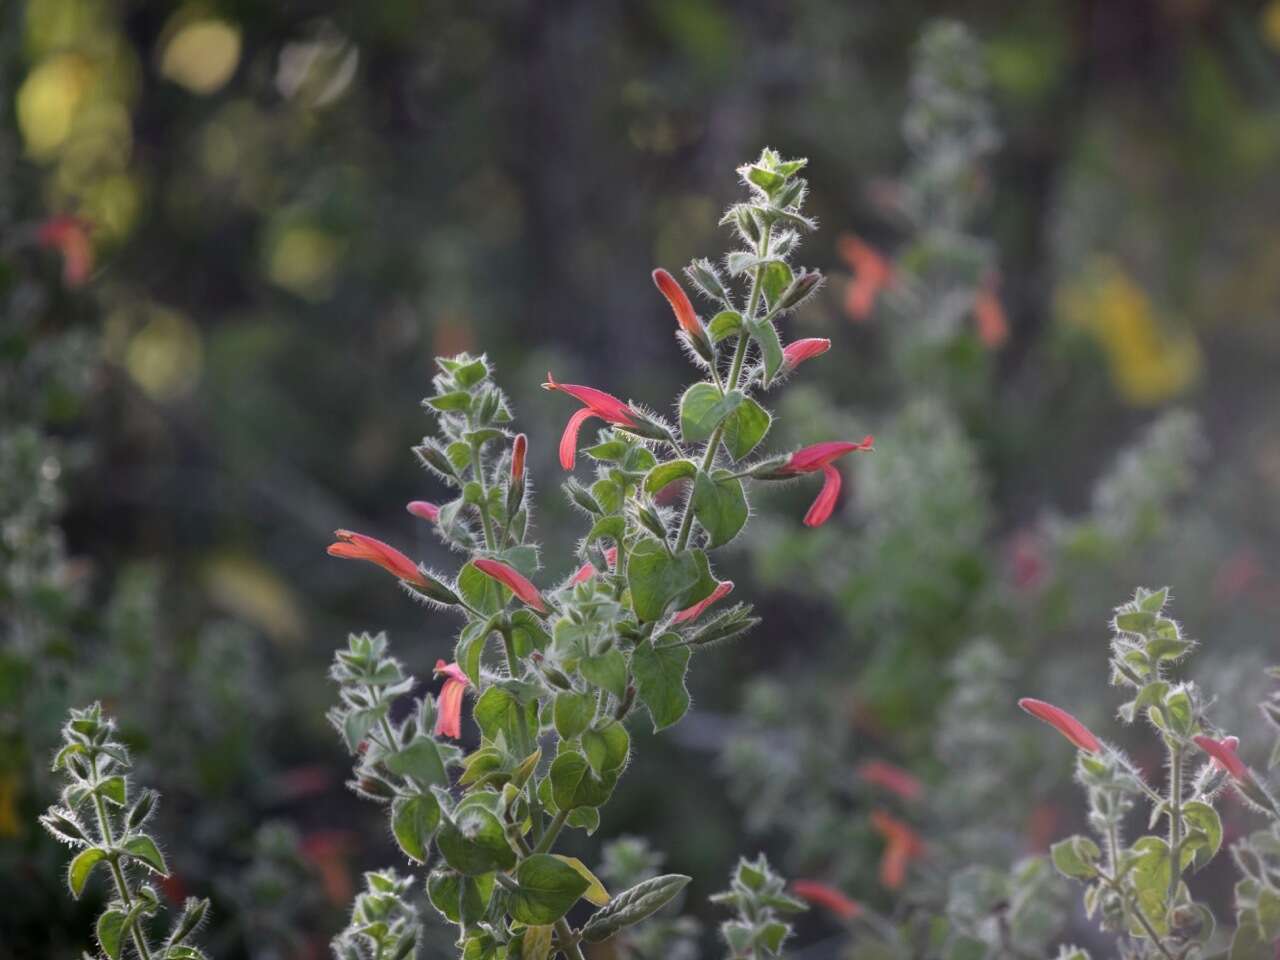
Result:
[
  {"x": 304, "y": 261},
  {"x": 1147, "y": 362},
  {"x": 165, "y": 355},
  {"x": 201, "y": 55},
  {"x": 49, "y": 99},
  {"x": 254, "y": 593},
  {"x": 1270, "y": 23}
]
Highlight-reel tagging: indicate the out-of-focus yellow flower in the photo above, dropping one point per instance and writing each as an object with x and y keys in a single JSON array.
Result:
[
  {"x": 1147, "y": 362},
  {"x": 49, "y": 99},
  {"x": 10, "y": 825}
]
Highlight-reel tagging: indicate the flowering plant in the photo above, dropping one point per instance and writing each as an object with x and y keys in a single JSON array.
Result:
[
  {"x": 556, "y": 671},
  {"x": 1137, "y": 890}
]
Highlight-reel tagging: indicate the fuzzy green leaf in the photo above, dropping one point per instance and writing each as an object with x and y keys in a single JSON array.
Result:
[
  {"x": 660, "y": 672},
  {"x": 633, "y": 905},
  {"x": 720, "y": 506},
  {"x": 413, "y": 821},
  {"x": 547, "y": 888}
]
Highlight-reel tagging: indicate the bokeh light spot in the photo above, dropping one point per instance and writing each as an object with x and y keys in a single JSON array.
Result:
[{"x": 202, "y": 55}]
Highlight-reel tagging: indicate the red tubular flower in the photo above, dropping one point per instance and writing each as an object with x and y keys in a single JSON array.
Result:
[
  {"x": 798, "y": 351},
  {"x": 902, "y": 845},
  {"x": 424, "y": 510},
  {"x": 988, "y": 313},
  {"x": 891, "y": 778},
  {"x": 596, "y": 403},
  {"x": 723, "y": 589},
  {"x": 519, "y": 447},
  {"x": 449, "y": 704},
  {"x": 822, "y": 895},
  {"x": 70, "y": 237},
  {"x": 871, "y": 274},
  {"x": 819, "y": 457},
  {"x": 514, "y": 580},
  {"x": 1224, "y": 755},
  {"x": 1063, "y": 722},
  {"x": 356, "y": 546},
  {"x": 588, "y": 570},
  {"x": 679, "y": 300}
]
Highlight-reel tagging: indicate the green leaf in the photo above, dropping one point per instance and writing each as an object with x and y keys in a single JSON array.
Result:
[
  {"x": 535, "y": 943},
  {"x": 113, "y": 789},
  {"x": 595, "y": 893},
  {"x": 633, "y": 905},
  {"x": 469, "y": 652},
  {"x": 144, "y": 848},
  {"x": 573, "y": 784},
  {"x": 481, "y": 591},
  {"x": 775, "y": 280},
  {"x": 469, "y": 374},
  {"x": 702, "y": 408},
  {"x": 498, "y": 710},
  {"x": 766, "y": 337},
  {"x": 547, "y": 888},
  {"x": 606, "y": 747},
  {"x": 444, "y": 888},
  {"x": 81, "y": 867},
  {"x": 1076, "y": 856},
  {"x": 573, "y": 713},
  {"x": 745, "y": 428},
  {"x": 660, "y": 672},
  {"x": 111, "y": 929},
  {"x": 667, "y": 473},
  {"x": 473, "y": 842},
  {"x": 1135, "y": 621},
  {"x": 766, "y": 180},
  {"x": 606, "y": 670},
  {"x": 1149, "y": 876},
  {"x": 420, "y": 760},
  {"x": 473, "y": 900},
  {"x": 1204, "y": 819},
  {"x": 720, "y": 506},
  {"x": 413, "y": 821},
  {"x": 657, "y": 578},
  {"x": 450, "y": 402},
  {"x": 726, "y": 323}
]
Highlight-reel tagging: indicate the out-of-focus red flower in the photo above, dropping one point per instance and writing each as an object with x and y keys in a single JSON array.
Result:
[
  {"x": 871, "y": 274},
  {"x": 798, "y": 351},
  {"x": 988, "y": 313},
  {"x": 723, "y": 589},
  {"x": 309, "y": 780},
  {"x": 519, "y": 447},
  {"x": 1224, "y": 755},
  {"x": 890, "y": 777},
  {"x": 327, "y": 851},
  {"x": 827, "y": 897},
  {"x": 1027, "y": 565},
  {"x": 356, "y": 546},
  {"x": 1239, "y": 574},
  {"x": 514, "y": 580},
  {"x": 596, "y": 403},
  {"x": 679, "y": 300},
  {"x": 70, "y": 237},
  {"x": 819, "y": 457},
  {"x": 1043, "y": 826},
  {"x": 174, "y": 888},
  {"x": 449, "y": 704},
  {"x": 588, "y": 570},
  {"x": 1063, "y": 722},
  {"x": 424, "y": 510},
  {"x": 902, "y": 845}
]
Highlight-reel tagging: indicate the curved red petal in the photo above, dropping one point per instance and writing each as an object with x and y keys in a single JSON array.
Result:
[
  {"x": 569, "y": 440},
  {"x": 679, "y": 300},
  {"x": 723, "y": 588},
  {"x": 514, "y": 580},
  {"x": 820, "y": 511}
]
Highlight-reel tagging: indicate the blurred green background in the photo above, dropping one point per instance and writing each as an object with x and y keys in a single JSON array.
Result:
[{"x": 289, "y": 208}]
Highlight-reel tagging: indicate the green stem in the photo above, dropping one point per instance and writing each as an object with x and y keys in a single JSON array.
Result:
[
  {"x": 553, "y": 831},
  {"x": 490, "y": 539},
  {"x": 1175, "y": 818},
  {"x": 122, "y": 886},
  {"x": 568, "y": 943},
  {"x": 1137, "y": 912}
]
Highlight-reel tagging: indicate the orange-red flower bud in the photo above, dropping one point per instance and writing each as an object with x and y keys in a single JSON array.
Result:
[
  {"x": 1063, "y": 722},
  {"x": 723, "y": 589},
  {"x": 1224, "y": 755},
  {"x": 514, "y": 580},
  {"x": 827, "y": 897},
  {"x": 424, "y": 510},
  {"x": 798, "y": 351},
  {"x": 357, "y": 546},
  {"x": 891, "y": 778},
  {"x": 518, "y": 449},
  {"x": 680, "y": 303},
  {"x": 902, "y": 845}
]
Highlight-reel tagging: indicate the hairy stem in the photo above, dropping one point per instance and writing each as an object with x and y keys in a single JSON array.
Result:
[
  {"x": 490, "y": 539},
  {"x": 122, "y": 886},
  {"x": 1175, "y": 818}
]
